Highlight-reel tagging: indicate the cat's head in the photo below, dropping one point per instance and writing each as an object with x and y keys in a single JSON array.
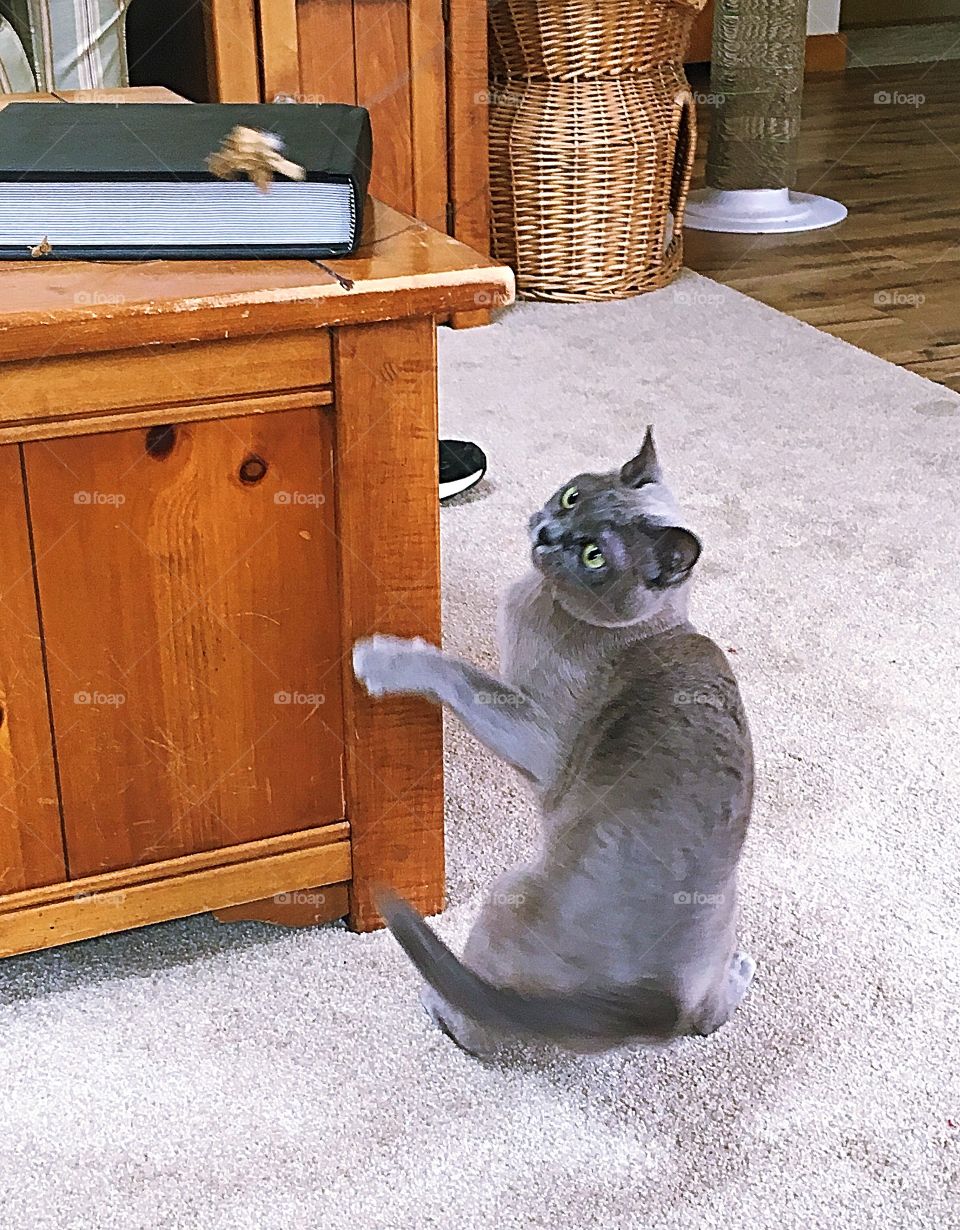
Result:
[{"x": 613, "y": 546}]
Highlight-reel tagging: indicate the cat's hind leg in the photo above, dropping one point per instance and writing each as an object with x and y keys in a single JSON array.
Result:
[
  {"x": 721, "y": 1007},
  {"x": 475, "y": 1039}
]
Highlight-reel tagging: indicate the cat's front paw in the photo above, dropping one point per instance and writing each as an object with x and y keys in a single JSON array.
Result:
[{"x": 385, "y": 664}]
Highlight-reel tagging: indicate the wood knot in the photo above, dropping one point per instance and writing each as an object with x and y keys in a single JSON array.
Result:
[
  {"x": 252, "y": 469},
  {"x": 160, "y": 441}
]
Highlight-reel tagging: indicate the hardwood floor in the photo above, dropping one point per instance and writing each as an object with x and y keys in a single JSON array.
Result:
[{"x": 886, "y": 279}]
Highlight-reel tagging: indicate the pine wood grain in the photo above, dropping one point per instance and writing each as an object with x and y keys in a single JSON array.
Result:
[
  {"x": 119, "y": 909},
  {"x": 468, "y": 114},
  {"x": 428, "y": 111},
  {"x": 175, "y": 868},
  {"x": 885, "y": 279},
  {"x": 305, "y": 907},
  {"x": 198, "y": 705},
  {"x": 67, "y": 424},
  {"x": 232, "y": 43},
  {"x": 31, "y": 847},
  {"x": 279, "y": 48},
  {"x": 327, "y": 57},
  {"x": 187, "y": 602},
  {"x": 402, "y": 268},
  {"x": 180, "y": 375},
  {"x": 382, "y": 51},
  {"x": 389, "y": 528}
]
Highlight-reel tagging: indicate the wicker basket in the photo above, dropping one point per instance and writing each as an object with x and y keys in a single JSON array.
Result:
[{"x": 592, "y": 135}]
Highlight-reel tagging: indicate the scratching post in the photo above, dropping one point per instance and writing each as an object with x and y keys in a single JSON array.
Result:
[{"x": 756, "y": 77}]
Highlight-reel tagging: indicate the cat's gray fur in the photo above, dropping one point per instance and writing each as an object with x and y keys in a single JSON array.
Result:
[{"x": 629, "y": 725}]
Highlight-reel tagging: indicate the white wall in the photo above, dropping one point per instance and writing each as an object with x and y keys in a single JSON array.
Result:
[{"x": 823, "y": 17}]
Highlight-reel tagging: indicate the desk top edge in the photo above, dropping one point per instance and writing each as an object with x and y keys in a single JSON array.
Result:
[{"x": 401, "y": 268}]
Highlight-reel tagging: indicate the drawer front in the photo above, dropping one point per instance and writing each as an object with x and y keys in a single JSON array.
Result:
[
  {"x": 76, "y": 386},
  {"x": 31, "y": 846},
  {"x": 188, "y": 589}
]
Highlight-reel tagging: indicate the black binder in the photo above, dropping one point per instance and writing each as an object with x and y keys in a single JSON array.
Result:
[{"x": 129, "y": 181}]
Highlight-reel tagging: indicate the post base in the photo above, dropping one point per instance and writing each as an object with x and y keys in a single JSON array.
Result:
[{"x": 760, "y": 211}]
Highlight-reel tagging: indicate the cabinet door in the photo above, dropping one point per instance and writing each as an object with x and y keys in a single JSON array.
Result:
[
  {"x": 188, "y": 591},
  {"x": 31, "y": 843}
]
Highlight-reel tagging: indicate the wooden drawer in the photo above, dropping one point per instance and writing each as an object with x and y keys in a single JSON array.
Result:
[
  {"x": 151, "y": 380},
  {"x": 187, "y": 578}
]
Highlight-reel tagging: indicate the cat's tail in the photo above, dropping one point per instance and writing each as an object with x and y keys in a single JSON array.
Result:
[{"x": 588, "y": 1016}]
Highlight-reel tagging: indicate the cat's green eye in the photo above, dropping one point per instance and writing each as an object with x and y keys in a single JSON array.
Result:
[
  {"x": 569, "y": 497},
  {"x": 592, "y": 556}
]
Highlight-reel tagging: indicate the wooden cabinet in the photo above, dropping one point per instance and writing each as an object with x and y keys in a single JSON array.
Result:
[{"x": 214, "y": 478}]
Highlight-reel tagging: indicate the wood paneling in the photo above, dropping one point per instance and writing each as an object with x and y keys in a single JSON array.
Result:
[
  {"x": 382, "y": 50},
  {"x": 884, "y": 279},
  {"x": 701, "y": 35},
  {"x": 279, "y": 50},
  {"x": 824, "y": 53},
  {"x": 468, "y": 115},
  {"x": 195, "y": 684},
  {"x": 327, "y": 62},
  {"x": 31, "y": 848},
  {"x": 232, "y": 43},
  {"x": 389, "y": 56},
  {"x": 428, "y": 112},
  {"x": 386, "y": 408}
]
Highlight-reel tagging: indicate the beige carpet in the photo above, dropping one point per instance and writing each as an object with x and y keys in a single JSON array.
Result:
[{"x": 192, "y": 1075}]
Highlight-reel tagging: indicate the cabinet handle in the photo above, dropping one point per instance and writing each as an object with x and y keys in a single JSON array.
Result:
[
  {"x": 252, "y": 469},
  {"x": 160, "y": 441}
]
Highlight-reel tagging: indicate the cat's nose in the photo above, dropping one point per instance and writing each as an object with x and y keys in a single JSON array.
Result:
[{"x": 546, "y": 537}]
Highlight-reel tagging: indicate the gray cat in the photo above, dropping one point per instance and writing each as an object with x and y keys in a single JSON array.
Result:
[{"x": 629, "y": 725}]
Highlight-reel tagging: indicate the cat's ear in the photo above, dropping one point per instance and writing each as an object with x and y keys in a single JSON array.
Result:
[
  {"x": 644, "y": 468},
  {"x": 677, "y": 550}
]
